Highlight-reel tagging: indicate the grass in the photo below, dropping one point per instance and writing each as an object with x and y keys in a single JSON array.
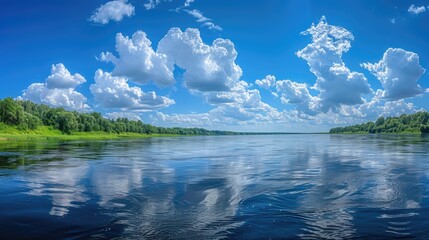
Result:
[{"x": 8, "y": 133}]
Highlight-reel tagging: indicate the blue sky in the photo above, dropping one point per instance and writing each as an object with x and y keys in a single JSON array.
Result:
[{"x": 236, "y": 65}]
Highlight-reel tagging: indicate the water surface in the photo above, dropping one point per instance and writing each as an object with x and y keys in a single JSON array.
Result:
[{"x": 217, "y": 187}]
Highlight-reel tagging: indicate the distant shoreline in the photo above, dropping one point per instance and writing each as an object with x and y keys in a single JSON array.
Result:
[{"x": 113, "y": 136}]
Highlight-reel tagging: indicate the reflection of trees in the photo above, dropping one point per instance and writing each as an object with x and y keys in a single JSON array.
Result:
[{"x": 14, "y": 154}]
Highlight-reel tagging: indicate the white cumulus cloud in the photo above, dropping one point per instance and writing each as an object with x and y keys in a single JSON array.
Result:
[
  {"x": 138, "y": 61},
  {"x": 207, "y": 67},
  {"x": 267, "y": 82},
  {"x": 112, "y": 10},
  {"x": 58, "y": 90},
  {"x": 66, "y": 98},
  {"x": 240, "y": 96},
  {"x": 293, "y": 92},
  {"x": 61, "y": 78},
  {"x": 114, "y": 92},
  {"x": 398, "y": 72},
  {"x": 416, "y": 10},
  {"x": 335, "y": 82}
]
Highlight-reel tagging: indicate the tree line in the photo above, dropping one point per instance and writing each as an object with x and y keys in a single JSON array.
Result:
[
  {"x": 26, "y": 115},
  {"x": 406, "y": 123}
]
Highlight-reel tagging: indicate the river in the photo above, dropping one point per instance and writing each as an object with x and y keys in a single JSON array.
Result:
[{"x": 217, "y": 187}]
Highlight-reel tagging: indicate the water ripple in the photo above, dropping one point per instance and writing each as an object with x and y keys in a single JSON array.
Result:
[{"x": 226, "y": 187}]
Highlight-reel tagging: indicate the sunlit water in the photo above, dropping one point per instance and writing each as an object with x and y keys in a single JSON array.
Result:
[{"x": 219, "y": 187}]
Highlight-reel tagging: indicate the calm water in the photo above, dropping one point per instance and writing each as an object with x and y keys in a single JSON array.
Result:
[{"x": 223, "y": 187}]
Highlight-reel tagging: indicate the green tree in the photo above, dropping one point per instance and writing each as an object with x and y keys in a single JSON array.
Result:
[
  {"x": 11, "y": 113},
  {"x": 67, "y": 122}
]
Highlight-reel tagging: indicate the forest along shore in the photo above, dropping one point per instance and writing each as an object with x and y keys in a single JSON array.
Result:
[
  {"x": 406, "y": 123},
  {"x": 25, "y": 119}
]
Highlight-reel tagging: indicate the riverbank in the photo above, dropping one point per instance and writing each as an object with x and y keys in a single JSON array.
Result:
[{"x": 11, "y": 133}]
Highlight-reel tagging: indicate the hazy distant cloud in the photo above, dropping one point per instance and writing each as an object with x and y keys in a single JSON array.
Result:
[
  {"x": 61, "y": 78},
  {"x": 223, "y": 116},
  {"x": 398, "y": 72},
  {"x": 416, "y": 10},
  {"x": 188, "y": 3},
  {"x": 240, "y": 95},
  {"x": 207, "y": 67},
  {"x": 207, "y": 22},
  {"x": 198, "y": 15},
  {"x": 58, "y": 90},
  {"x": 138, "y": 61},
  {"x": 378, "y": 106},
  {"x": 129, "y": 115},
  {"x": 114, "y": 92},
  {"x": 113, "y": 10},
  {"x": 335, "y": 82},
  {"x": 151, "y": 4}
]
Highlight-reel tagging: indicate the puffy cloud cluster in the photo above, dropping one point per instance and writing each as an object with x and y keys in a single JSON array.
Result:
[
  {"x": 114, "y": 92},
  {"x": 345, "y": 96},
  {"x": 416, "y": 10},
  {"x": 207, "y": 67},
  {"x": 58, "y": 90},
  {"x": 342, "y": 94},
  {"x": 398, "y": 72},
  {"x": 112, "y": 10},
  {"x": 208, "y": 70},
  {"x": 138, "y": 61},
  {"x": 335, "y": 82}
]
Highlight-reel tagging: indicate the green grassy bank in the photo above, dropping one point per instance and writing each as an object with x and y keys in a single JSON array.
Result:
[{"x": 13, "y": 133}]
